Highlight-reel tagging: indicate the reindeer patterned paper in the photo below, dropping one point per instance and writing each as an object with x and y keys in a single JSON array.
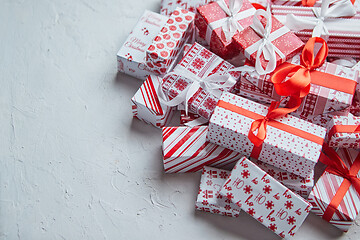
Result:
[
  {"x": 197, "y": 60},
  {"x": 209, "y": 199},
  {"x": 168, "y": 6},
  {"x": 132, "y": 55},
  {"x": 265, "y": 199},
  {"x": 344, "y": 139},
  {"x": 185, "y": 149},
  {"x": 146, "y": 105},
  {"x": 284, "y": 149},
  {"x": 166, "y": 46}
]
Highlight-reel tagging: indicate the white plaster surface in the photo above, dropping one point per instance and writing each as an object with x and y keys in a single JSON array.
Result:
[{"x": 74, "y": 164}]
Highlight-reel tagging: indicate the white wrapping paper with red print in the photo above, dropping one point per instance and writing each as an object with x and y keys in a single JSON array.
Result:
[
  {"x": 167, "y": 44},
  {"x": 322, "y": 98},
  {"x": 292, "y": 144},
  {"x": 197, "y": 60},
  {"x": 326, "y": 188},
  {"x": 168, "y": 6},
  {"x": 344, "y": 132},
  {"x": 146, "y": 105},
  {"x": 344, "y": 33},
  {"x": 209, "y": 199},
  {"x": 265, "y": 199},
  {"x": 132, "y": 55},
  {"x": 299, "y": 185},
  {"x": 355, "y": 106},
  {"x": 185, "y": 149}
]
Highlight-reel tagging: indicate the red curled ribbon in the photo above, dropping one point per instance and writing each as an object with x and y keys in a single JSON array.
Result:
[{"x": 336, "y": 166}]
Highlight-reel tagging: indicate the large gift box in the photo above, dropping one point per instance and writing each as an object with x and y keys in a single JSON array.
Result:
[
  {"x": 132, "y": 55},
  {"x": 219, "y": 21},
  {"x": 146, "y": 105},
  {"x": 167, "y": 44},
  {"x": 209, "y": 199},
  {"x": 335, "y": 196},
  {"x": 168, "y": 6},
  {"x": 291, "y": 144},
  {"x": 198, "y": 69},
  {"x": 265, "y": 199},
  {"x": 344, "y": 132},
  {"x": 185, "y": 149}
]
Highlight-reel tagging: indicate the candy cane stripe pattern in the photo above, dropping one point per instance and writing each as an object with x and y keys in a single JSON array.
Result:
[{"x": 185, "y": 149}]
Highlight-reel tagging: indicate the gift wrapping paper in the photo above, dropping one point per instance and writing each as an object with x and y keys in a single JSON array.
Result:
[
  {"x": 209, "y": 199},
  {"x": 187, "y": 118},
  {"x": 344, "y": 132},
  {"x": 321, "y": 98},
  {"x": 185, "y": 149},
  {"x": 294, "y": 3},
  {"x": 326, "y": 188},
  {"x": 292, "y": 144},
  {"x": 132, "y": 55},
  {"x": 342, "y": 40},
  {"x": 289, "y": 44},
  {"x": 197, "y": 60},
  {"x": 167, "y": 44},
  {"x": 357, "y": 68},
  {"x": 211, "y": 13},
  {"x": 299, "y": 185},
  {"x": 355, "y": 106},
  {"x": 168, "y": 6},
  {"x": 324, "y": 119},
  {"x": 265, "y": 199},
  {"x": 146, "y": 105}
]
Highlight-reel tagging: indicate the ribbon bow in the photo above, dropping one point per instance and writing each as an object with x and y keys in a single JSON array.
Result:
[
  {"x": 336, "y": 166},
  {"x": 329, "y": 11}
]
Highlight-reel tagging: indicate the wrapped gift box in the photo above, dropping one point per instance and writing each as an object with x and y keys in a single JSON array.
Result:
[
  {"x": 344, "y": 132},
  {"x": 328, "y": 186},
  {"x": 297, "y": 3},
  {"x": 209, "y": 199},
  {"x": 209, "y": 20},
  {"x": 146, "y": 105},
  {"x": 292, "y": 144},
  {"x": 198, "y": 60},
  {"x": 357, "y": 68},
  {"x": 168, "y": 6},
  {"x": 265, "y": 199},
  {"x": 355, "y": 106},
  {"x": 344, "y": 33},
  {"x": 299, "y": 185},
  {"x": 287, "y": 42},
  {"x": 167, "y": 44},
  {"x": 132, "y": 55},
  {"x": 324, "y": 119},
  {"x": 188, "y": 118},
  {"x": 185, "y": 149}
]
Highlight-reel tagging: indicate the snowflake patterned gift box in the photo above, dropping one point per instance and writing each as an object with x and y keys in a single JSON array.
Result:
[
  {"x": 185, "y": 149},
  {"x": 291, "y": 144},
  {"x": 171, "y": 39},
  {"x": 146, "y": 105},
  {"x": 219, "y": 21},
  {"x": 132, "y": 55},
  {"x": 168, "y": 6},
  {"x": 344, "y": 132},
  {"x": 199, "y": 66},
  {"x": 335, "y": 196},
  {"x": 209, "y": 199},
  {"x": 265, "y": 199}
]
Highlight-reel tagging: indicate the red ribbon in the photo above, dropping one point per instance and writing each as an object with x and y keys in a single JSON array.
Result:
[
  {"x": 308, "y": 3},
  {"x": 337, "y": 167},
  {"x": 343, "y": 129}
]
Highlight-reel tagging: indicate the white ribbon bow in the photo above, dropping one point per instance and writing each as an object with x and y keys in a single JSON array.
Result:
[{"x": 324, "y": 14}]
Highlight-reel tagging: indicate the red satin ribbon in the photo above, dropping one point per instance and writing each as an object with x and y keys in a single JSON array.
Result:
[
  {"x": 343, "y": 129},
  {"x": 337, "y": 167}
]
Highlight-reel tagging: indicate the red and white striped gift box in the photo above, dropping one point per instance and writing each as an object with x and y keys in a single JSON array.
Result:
[
  {"x": 146, "y": 105},
  {"x": 185, "y": 149},
  {"x": 344, "y": 132},
  {"x": 326, "y": 188}
]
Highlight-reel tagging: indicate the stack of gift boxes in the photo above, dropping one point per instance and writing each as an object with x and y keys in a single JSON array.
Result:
[{"x": 255, "y": 129}]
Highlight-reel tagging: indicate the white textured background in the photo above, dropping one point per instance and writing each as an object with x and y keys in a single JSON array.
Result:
[{"x": 74, "y": 164}]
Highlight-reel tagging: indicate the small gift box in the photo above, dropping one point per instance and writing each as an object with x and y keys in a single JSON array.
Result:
[
  {"x": 290, "y": 143},
  {"x": 344, "y": 132},
  {"x": 198, "y": 81},
  {"x": 185, "y": 149},
  {"x": 168, "y": 6},
  {"x": 355, "y": 106},
  {"x": 146, "y": 105},
  {"x": 299, "y": 185},
  {"x": 336, "y": 21},
  {"x": 267, "y": 42},
  {"x": 335, "y": 196},
  {"x": 209, "y": 199},
  {"x": 131, "y": 56},
  {"x": 219, "y": 21},
  {"x": 189, "y": 119},
  {"x": 167, "y": 44},
  {"x": 265, "y": 199}
]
